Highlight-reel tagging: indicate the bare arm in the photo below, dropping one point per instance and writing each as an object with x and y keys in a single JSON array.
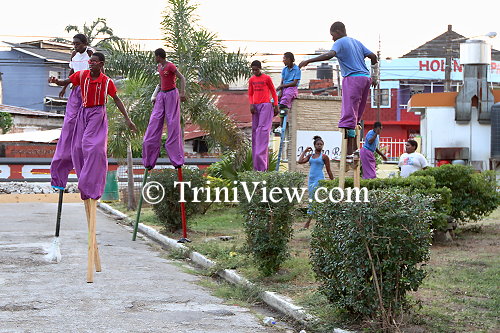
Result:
[
  {"x": 294, "y": 83},
  {"x": 381, "y": 154},
  {"x": 325, "y": 56},
  {"x": 326, "y": 159},
  {"x": 303, "y": 158},
  {"x": 121, "y": 107},
  {"x": 373, "y": 58},
  {"x": 61, "y": 83},
  {"x": 182, "y": 90}
]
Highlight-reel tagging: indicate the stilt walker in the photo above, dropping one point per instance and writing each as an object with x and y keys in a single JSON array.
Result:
[
  {"x": 62, "y": 164},
  {"x": 356, "y": 82},
  {"x": 290, "y": 79},
  {"x": 89, "y": 144},
  {"x": 260, "y": 90},
  {"x": 166, "y": 108}
]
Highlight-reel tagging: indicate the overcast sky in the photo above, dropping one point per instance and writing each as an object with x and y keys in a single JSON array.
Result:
[{"x": 401, "y": 25}]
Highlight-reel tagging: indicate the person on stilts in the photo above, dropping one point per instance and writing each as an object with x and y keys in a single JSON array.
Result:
[
  {"x": 288, "y": 89},
  {"x": 356, "y": 81},
  {"x": 260, "y": 89},
  {"x": 166, "y": 100},
  {"x": 89, "y": 142},
  {"x": 62, "y": 163}
]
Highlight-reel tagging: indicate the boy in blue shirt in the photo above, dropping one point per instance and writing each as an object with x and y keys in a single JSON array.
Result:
[
  {"x": 288, "y": 89},
  {"x": 356, "y": 81},
  {"x": 367, "y": 152}
]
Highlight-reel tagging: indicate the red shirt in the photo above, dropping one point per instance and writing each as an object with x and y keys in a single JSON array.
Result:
[
  {"x": 94, "y": 92},
  {"x": 260, "y": 89},
  {"x": 167, "y": 76}
]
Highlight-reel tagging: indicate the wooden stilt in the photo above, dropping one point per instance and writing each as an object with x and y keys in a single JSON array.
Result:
[
  {"x": 97, "y": 258},
  {"x": 357, "y": 163},
  {"x": 343, "y": 155},
  {"x": 91, "y": 246}
]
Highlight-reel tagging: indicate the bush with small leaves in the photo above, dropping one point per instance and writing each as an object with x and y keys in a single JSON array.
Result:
[
  {"x": 366, "y": 255},
  {"x": 168, "y": 210},
  {"x": 268, "y": 224}
]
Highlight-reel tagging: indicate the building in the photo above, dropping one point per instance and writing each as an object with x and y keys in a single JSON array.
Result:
[
  {"x": 421, "y": 70},
  {"x": 25, "y": 69}
]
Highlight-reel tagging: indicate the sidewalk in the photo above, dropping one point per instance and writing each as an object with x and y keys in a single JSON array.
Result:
[{"x": 137, "y": 291}]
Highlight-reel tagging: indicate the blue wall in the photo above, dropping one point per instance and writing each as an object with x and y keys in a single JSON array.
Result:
[{"x": 25, "y": 79}]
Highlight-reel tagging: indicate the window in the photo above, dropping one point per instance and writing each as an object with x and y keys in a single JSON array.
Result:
[
  {"x": 385, "y": 98},
  {"x": 200, "y": 146},
  {"x": 55, "y": 74}
]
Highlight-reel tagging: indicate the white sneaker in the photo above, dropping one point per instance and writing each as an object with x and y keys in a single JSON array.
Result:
[{"x": 278, "y": 130}]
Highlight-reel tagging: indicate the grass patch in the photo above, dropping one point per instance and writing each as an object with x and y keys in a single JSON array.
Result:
[{"x": 460, "y": 293}]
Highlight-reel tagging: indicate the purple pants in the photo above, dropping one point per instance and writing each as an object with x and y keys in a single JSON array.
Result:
[
  {"x": 368, "y": 162},
  {"x": 167, "y": 107},
  {"x": 288, "y": 95},
  {"x": 61, "y": 162},
  {"x": 262, "y": 121},
  {"x": 355, "y": 90},
  {"x": 90, "y": 143}
]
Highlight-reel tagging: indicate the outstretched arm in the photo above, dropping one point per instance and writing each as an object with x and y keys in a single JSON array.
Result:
[
  {"x": 325, "y": 56},
  {"x": 121, "y": 107},
  {"x": 62, "y": 83},
  {"x": 381, "y": 154}
]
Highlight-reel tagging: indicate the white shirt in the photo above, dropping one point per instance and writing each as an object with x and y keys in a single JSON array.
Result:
[
  {"x": 80, "y": 61},
  {"x": 409, "y": 163}
]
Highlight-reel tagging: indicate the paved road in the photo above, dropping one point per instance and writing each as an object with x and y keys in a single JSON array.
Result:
[{"x": 137, "y": 291}]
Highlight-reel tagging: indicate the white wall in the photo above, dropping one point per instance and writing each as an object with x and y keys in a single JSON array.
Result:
[{"x": 439, "y": 129}]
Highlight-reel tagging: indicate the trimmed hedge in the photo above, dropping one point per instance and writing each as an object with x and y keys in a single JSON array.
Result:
[
  {"x": 366, "y": 255},
  {"x": 474, "y": 195},
  {"x": 441, "y": 207},
  {"x": 268, "y": 225}
]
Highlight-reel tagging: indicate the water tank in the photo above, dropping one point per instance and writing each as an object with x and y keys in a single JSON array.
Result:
[
  {"x": 495, "y": 131},
  {"x": 475, "y": 52},
  {"x": 324, "y": 71}
]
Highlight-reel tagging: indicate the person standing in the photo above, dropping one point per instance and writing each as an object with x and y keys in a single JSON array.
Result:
[
  {"x": 89, "y": 144},
  {"x": 260, "y": 90},
  {"x": 411, "y": 161},
  {"x": 166, "y": 100},
  {"x": 366, "y": 153},
  {"x": 62, "y": 164},
  {"x": 356, "y": 81},
  {"x": 317, "y": 161}
]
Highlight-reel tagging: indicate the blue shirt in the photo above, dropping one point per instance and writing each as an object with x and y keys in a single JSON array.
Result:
[
  {"x": 288, "y": 75},
  {"x": 351, "y": 55},
  {"x": 372, "y": 147}
]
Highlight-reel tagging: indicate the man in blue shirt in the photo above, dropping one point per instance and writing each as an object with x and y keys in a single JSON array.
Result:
[
  {"x": 356, "y": 81},
  {"x": 288, "y": 89},
  {"x": 367, "y": 152}
]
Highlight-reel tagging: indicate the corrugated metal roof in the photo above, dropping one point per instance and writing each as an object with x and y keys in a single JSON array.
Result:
[
  {"x": 28, "y": 112},
  {"x": 46, "y": 54},
  {"x": 36, "y": 136}
]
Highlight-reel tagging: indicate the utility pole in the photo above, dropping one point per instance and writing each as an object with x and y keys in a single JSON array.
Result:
[
  {"x": 449, "y": 54},
  {"x": 338, "y": 80}
]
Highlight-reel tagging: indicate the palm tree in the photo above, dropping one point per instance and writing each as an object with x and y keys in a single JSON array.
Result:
[
  {"x": 96, "y": 28},
  {"x": 200, "y": 57}
]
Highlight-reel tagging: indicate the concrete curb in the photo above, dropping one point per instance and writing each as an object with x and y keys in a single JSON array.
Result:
[{"x": 274, "y": 300}]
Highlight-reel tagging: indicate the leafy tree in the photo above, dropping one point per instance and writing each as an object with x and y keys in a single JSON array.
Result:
[
  {"x": 96, "y": 28},
  {"x": 6, "y": 122}
]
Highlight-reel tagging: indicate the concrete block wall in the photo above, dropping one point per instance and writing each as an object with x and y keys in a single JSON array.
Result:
[{"x": 310, "y": 113}]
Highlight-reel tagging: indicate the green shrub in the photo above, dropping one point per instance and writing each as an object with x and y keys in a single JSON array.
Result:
[
  {"x": 268, "y": 225},
  {"x": 367, "y": 254},
  {"x": 425, "y": 185},
  {"x": 168, "y": 210},
  {"x": 474, "y": 194}
]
